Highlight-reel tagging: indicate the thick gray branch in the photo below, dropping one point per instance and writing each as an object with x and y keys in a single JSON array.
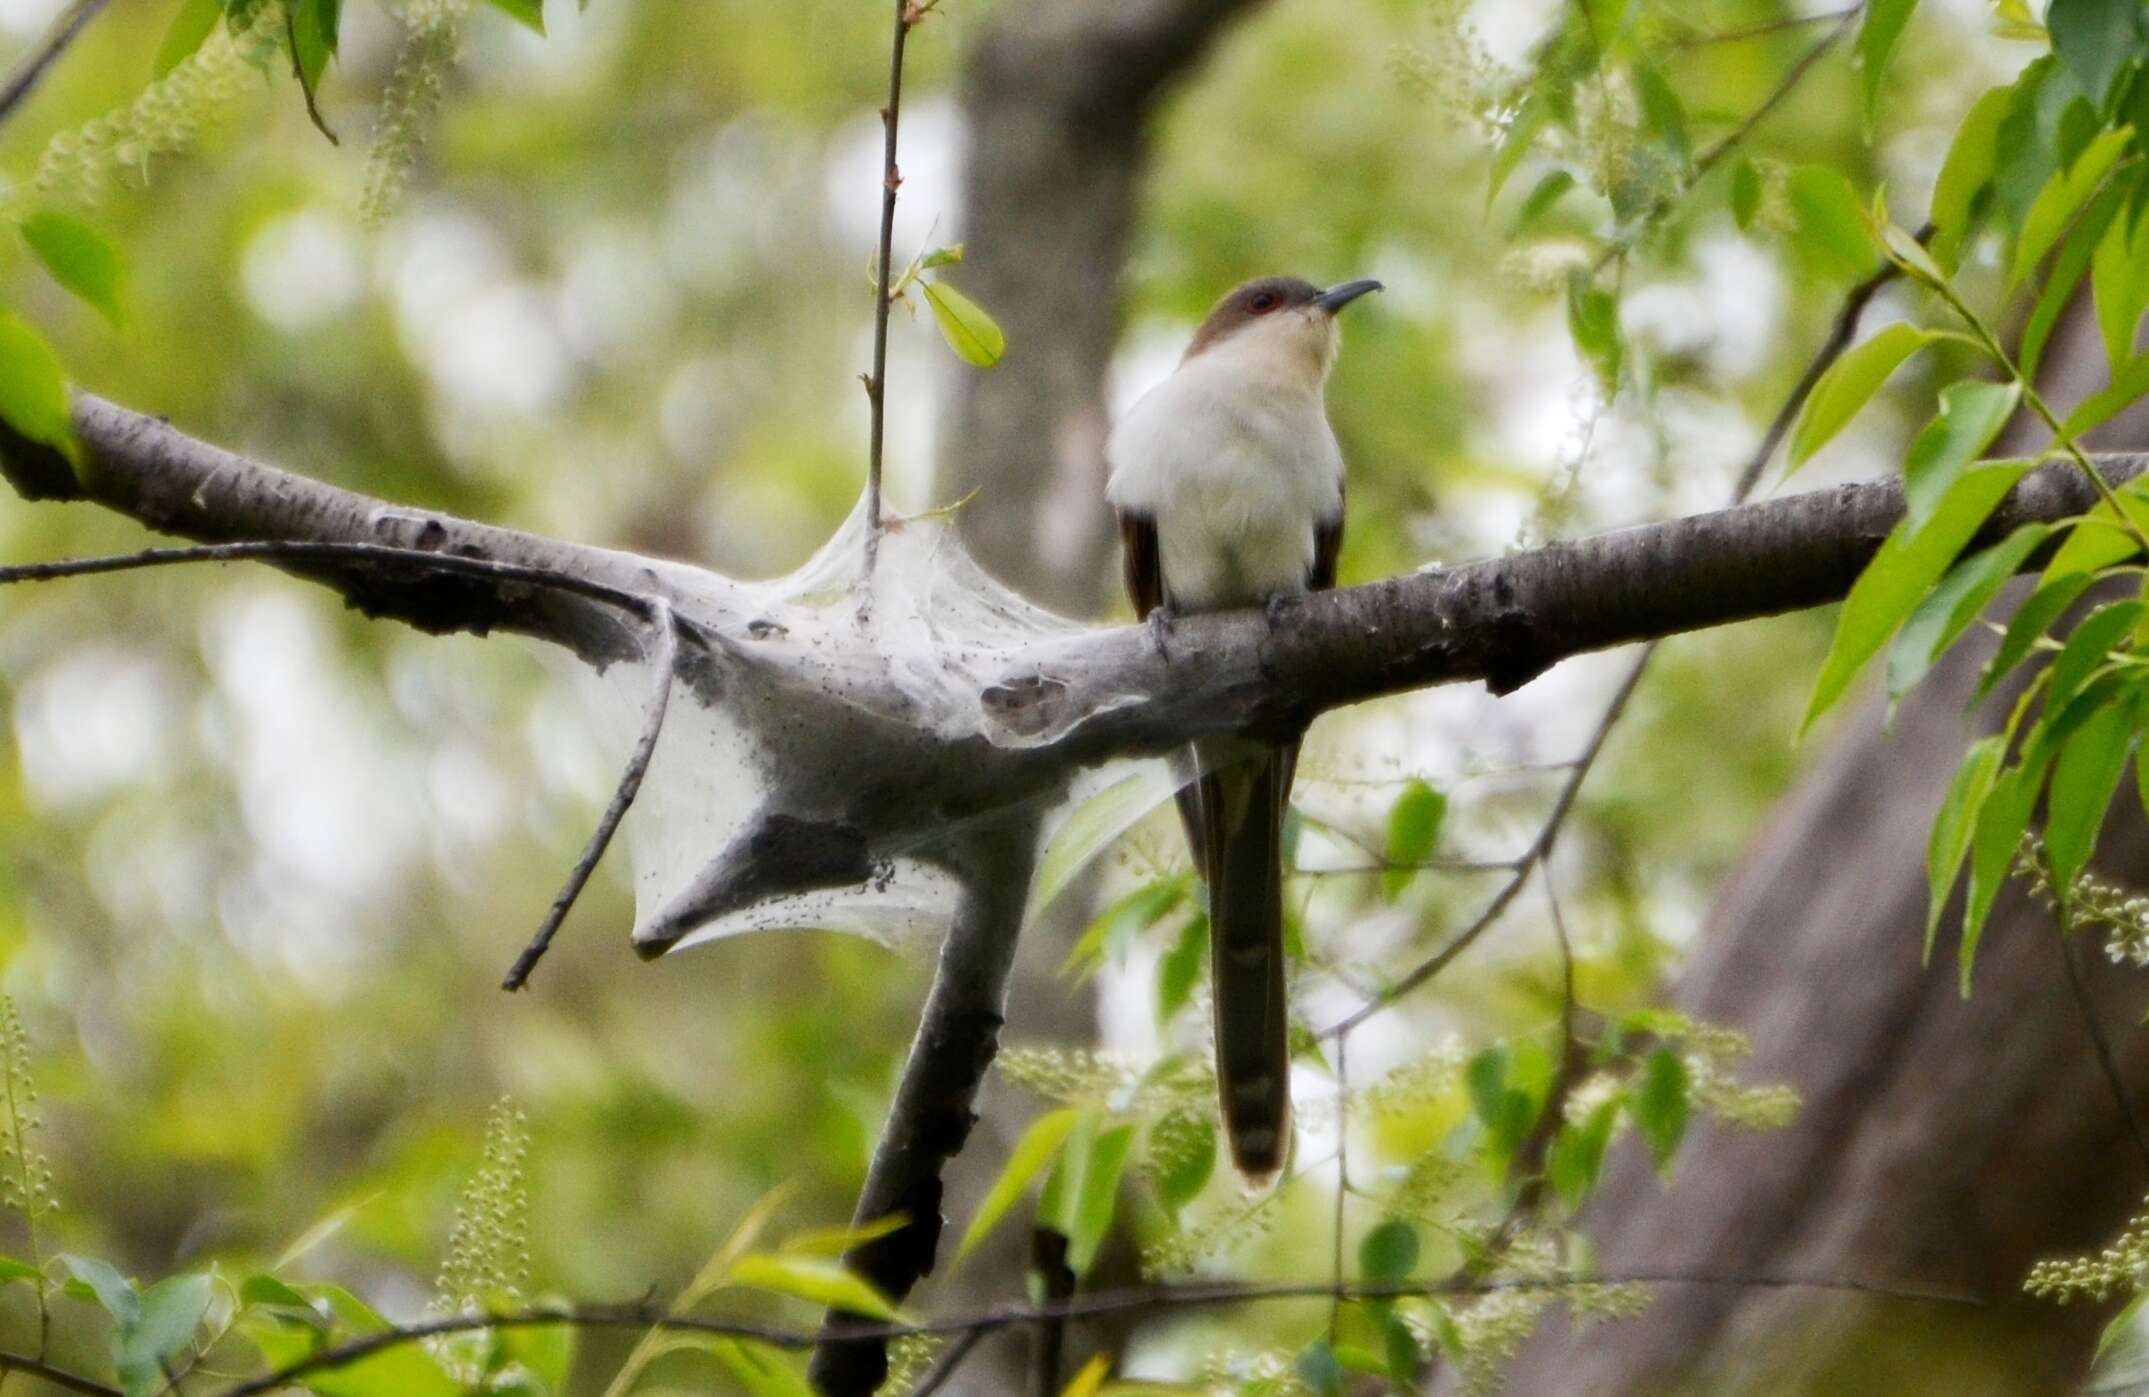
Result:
[
  {"x": 1503, "y": 621},
  {"x": 1096, "y": 695}
]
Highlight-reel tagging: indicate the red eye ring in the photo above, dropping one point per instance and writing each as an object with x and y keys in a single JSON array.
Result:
[{"x": 1262, "y": 303}]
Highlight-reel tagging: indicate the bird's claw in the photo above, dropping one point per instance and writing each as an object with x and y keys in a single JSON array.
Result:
[
  {"x": 1278, "y": 605},
  {"x": 1160, "y": 629}
]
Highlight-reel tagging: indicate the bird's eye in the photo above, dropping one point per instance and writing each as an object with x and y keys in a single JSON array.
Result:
[{"x": 1263, "y": 302}]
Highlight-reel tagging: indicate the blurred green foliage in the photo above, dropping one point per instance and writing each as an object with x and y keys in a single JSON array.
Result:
[{"x": 267, "y": 860}]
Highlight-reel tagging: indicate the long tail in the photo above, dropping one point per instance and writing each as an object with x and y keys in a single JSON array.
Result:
[{"x": 1241, "y": 854}]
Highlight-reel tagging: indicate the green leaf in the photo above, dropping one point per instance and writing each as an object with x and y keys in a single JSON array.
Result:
[
  {"x": 974, "y": 336},
  {"x": 1188, "y": 1140},
  {"x": 1960, "y": 599},
  {"x": 2062, "y": 198},
  {"x": 2084, "y": 779},
  {"x": 1879, "y": 33},
  {"x": 105, "y": 1285},
  {"x": 1505, "y": 1111},
  {"x": 1406, "y": 1361},
  {"x": 1967, "y": 173},
  {"x": 2052, "y": 597},
  {"x": 1662, "y": 114},
  {"x": 1849, "y": 384},
  {"x": 270, "y": 1291},
  {"x": 2118, "y": 1325},
  {"x": 2119, "y": 276},
  {"x": 1745, "y": 194},
  {"x": 195, "y": 22},
  {"x": 405, "y": 1370},
  {"x": 1905, "y": 568},
  {"x": 530, "y": 13},
  {"x": 1972, "y": 413},
  {"x": 1180, "y": 969},
  {"x": 1540, "y": 200},
  {"x": 2000, "y": 823},
  {"x": 2129, "y": 383},
  {"x": 13, "y": 1270},
  {"x": 819, "y": 1280},
  {"x": 1831, "y": 221},
  {"x": 1953, "y": 825},
  {"x": 1414, "y": 823},
  {"x": 33, "y": 389},
  {"x": 2098, "y": 539},
  {"x": 2067, "y": 269},
  {"x": 2095, "y": 39},
  {"x": 1090, "y": 1380},
  {"x": 314, "y": 27},
  {"x": 760, "y": 1369},
  {"x": 1318, "y": 1368},
  {"x": 1514, "y": 145},
  {"x": 1660, "y": 1106},
  {"x": 1114, "y": 930},
  {"x": 171, "y": 1311},
  {"x": 1096, "y": 1195},
  {"x": 1593, "y": 323},
  {"x": 1389, "y": 1252},
  {"x": 1039, "y": 1146},
  {"x": 1576, "y": 1156},
  {"x": 2094, "y": 639},
  {"x": 1091, "y": 828},
  {"x": 79, "y": 259}
]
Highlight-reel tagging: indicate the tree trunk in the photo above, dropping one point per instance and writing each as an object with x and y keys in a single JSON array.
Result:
[{"x": 1944, "y": 1144}]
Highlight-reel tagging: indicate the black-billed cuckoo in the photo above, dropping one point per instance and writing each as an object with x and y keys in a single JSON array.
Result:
[{"x": 1229, "y": 487}]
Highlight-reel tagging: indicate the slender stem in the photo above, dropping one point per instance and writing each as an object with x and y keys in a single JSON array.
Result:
[
  {"x": 2036, "y": 403},
  {"x": 663, "y": 661},
  {"x": 58, "y": 1377},
  {"x": 2105, "y": 1061},
  {"x": 944, "y": 1368},
  {"x": 28, "y": 73},
  {"x": 1776, "y": 97},
  {"x": 906, "y": 15},
  {"x": 1761, "y": 30},
  {"x": 1135, "y": 1299}
]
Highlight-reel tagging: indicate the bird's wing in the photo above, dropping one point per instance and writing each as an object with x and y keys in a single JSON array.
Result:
[
  {"x": 1143, "y": 564},
  {"x": 1327, "y": 547}
]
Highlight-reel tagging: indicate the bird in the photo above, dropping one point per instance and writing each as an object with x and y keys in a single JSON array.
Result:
[{"x": 1227, "y": 481}]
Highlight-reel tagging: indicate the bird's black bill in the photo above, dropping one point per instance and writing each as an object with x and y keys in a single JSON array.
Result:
[{"x": 1336, "y": 298}]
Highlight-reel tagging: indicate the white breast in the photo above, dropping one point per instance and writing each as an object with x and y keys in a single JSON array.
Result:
[{"x": 1234, "y": 458}]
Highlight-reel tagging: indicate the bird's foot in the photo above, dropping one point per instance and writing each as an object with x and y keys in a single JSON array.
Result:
[
  {"x": 1278, "y": 606},
  {"x": 1160, "y": 629}
]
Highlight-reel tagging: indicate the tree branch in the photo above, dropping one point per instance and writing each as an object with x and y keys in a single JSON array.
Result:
[
  {"x": 1134, "y": 1299},
  {"x": 20, "y": 83},
  {"x": 931, "y": 1115}
]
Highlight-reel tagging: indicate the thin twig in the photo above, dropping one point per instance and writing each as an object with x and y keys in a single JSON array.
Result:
[
  {"x": 664, "y": 644},
  {"x": 1547, "y": 835},
  {"x": 1763, "y": 29},
  {"x": 1708, "y": 159},
  {"x": 906, "y": 14},
  {"x": 663, "y": 658},
  {"x": 1840, "y": 332},
  {"x": 1530, "y": 1155},
  {"x": 1343, "y": 1181},
  {"x": 2097, "y": 1038},
  {"x": 1831, "y": 349},
  {"x": 944, "y": 1367},
  {"x": 31, "y": 70},
  {"x": 1132, "y": 1299},
  {"x": 303, "y": 550},
  {"x": 58, "y": 1377}
]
